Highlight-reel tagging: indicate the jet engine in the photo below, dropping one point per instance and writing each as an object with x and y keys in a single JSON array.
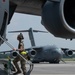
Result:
[
  {"x": 69, "y": 53},
  {"x": 58, "y": 17},
  {"x": 32, "y": 53},
  {"x": 14, "y": 54}
]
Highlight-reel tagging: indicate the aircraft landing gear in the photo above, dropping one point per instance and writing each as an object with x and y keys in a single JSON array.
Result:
[{"x": 55, "y": 61}]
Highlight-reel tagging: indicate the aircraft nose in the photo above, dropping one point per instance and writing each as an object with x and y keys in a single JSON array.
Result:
[{"x": 57, "y": 53}]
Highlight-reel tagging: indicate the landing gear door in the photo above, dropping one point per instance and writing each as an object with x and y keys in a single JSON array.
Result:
[
  {"x": 4, "y": 8},
  {"x": 4, "y": 15}
]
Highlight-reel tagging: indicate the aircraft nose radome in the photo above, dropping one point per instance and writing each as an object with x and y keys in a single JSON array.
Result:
[{"x": 57, "y": 53}]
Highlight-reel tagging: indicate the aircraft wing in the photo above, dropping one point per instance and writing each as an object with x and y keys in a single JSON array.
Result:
[
  {"x": 57, "y": 16},
  {"x": 64, "y": 49},
  {"x": 4, "y": 52},
  {"x": 32, "y": 7},
  {"x": 28, "y": 6},
  {"x": 27, "y": 49},
  {"x": 31, "y": 51}
]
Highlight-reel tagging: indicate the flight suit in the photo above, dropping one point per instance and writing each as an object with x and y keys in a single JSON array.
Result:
[{"x": 22, "y": 61}]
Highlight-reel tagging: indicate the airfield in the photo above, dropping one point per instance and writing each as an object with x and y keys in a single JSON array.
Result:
[
  {"x": 54, "y": 69},
  {"x": 51, "y": 69}
]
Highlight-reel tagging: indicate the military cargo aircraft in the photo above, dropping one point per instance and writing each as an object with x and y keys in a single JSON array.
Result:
[
  {"x": 57, "y": 16},
  {"x": 48, "y": 53}
]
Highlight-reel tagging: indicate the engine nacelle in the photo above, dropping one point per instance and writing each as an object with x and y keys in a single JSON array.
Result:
[
  {"x": 58, "y": 17},
  {"x": 14, "y": 54},
  {"x": 32, "y": 53},
  {"x": 69, "y": 53}
]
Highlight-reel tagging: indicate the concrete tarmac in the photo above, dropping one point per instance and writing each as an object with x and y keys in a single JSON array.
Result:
[{"x": 53, "y": 69}]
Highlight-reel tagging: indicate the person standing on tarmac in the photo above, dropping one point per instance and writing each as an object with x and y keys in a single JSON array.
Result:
[{"x": 18, "y": 58}]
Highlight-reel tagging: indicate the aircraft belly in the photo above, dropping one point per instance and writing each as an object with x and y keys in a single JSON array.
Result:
[
  {"x": 28, "y": 10},
  {"x": 28, "y": 6}
]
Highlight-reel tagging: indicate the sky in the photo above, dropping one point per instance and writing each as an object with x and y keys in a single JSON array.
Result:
[{"x": 24, "y": 22}]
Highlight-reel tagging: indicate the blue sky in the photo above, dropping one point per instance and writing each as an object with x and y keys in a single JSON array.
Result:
[{"x": 23, "y": 21}]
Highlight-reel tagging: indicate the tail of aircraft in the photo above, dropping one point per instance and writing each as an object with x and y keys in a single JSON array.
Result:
[{"x": 30, "y": 32}]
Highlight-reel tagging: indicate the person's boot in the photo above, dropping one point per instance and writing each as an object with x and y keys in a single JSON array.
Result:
[{"x": 17, "y": 72}]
